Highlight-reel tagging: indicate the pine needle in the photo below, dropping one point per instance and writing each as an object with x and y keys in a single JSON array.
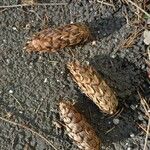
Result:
[
  {"x": 147, "y": 134},
  {"x": 29, "y": 129},
  {"x": 105, "y": 3},
  {"x": 36, "y": 4},
  {"x": 146, "y": 109},
  {"x": 142, "y": 10}
]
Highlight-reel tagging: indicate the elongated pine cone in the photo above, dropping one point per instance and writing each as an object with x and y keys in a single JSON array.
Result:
[
  {"x": 93, "y": 85},
  {"x": 51, "y": 40},
  {"x": 78, "y": 128}
]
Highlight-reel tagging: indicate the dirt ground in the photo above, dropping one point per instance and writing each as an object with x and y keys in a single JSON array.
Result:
[{"x": 31, "y": 85}]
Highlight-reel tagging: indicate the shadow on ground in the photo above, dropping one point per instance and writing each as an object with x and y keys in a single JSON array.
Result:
[
  {"x": 103, "y": 27},
  {"x": 125, "y": 79}
]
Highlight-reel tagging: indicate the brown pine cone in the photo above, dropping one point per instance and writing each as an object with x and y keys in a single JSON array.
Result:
[
  {"x": 77, "y": 127},
  {"x": 51, "y": 40},
  {"x": 93, "y": 85}
]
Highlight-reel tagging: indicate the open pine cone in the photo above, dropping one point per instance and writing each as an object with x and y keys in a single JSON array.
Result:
[
  {"x": 51, "y": 40},
  {"x": 93, "y": 85},
  {"x": 78, "y": 128}
]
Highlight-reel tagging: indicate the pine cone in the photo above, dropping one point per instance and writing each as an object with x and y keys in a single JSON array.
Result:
[
  {"x": 51, "y": 40},
  {"x": 77, "y": 127},
  {"x": 94, "y": 86}
]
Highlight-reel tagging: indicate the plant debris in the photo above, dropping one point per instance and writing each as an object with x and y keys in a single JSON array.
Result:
[
  {"x": 29, "y": 130},
  {"x": 129, "y": 42},
  {"x": 94, "y": 86},
  {"x": 146, "y": 107},
  {"x": 78, "y": 128},
  {"x": 28, "y": 2}
]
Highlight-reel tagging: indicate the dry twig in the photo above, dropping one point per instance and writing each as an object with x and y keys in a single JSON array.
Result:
[
  {"x": 36, "y": 4},
  {"x": 131, "y": 39},
  {"x": 110, "y": 130},
  {"x": 16, "y": 100},
  {"x": 147, "y": 134},
  {"x": 145, "y": 106},
  {"x": 29, "y": 129},
  {"x": 142, "y": 128},
  {"x": 147, "y": 113},
  {"x": 138, "y": 7},
  {"x": 105, "y": 3}
]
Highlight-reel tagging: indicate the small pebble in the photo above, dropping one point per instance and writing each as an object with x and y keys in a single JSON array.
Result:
[
  {"x": 87, "y": 62},
  {"x": 103, "y": 147},
  {"x": 127, "y": 144},
  {"x": 30, "y": 66},
  {"x": 116, "y": 40},
  {"x": 4, "y": 40},
  {"x": 94, "y": 43},
  {"x": 31, "y": 63},
  {"x": 40, "y": 57},
  {"x": 8, "y": 61},
  {"x": 140, "y": 117},
  {"x": 32, "y": 73},
  {"x": 109, "y": 122},
  {"x": 133, "y": 107},
  {"x": 90, "y": 1},
  {"x": 20, "y": 112},
  {"x": 14, "y": 28},
  {"x": 11, "y": 91},
  {"x": 116, "y": 121},
  {"x": 143, "y": 66},
  {"x": 130, "y": 146},
  {"x": 45, "y": 80},
  {"x": 28, "y": 26},
  {"x": 91, "y": 9},
  {"x": 113, "y": 56},
  {"x": 122, "y": 55},
  {"x": 132, "y": 135}
]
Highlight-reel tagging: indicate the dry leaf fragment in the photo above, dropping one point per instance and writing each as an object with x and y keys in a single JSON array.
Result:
[
  {"x": 51, "y": 40},
  {"x": 94, "y": 86},
  {"x": 78, "y": 128}
]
